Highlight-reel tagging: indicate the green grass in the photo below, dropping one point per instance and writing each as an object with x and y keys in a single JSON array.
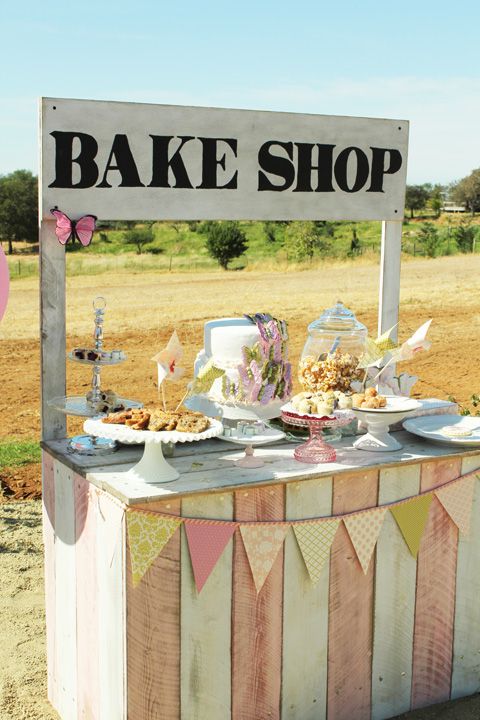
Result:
[
  {"x": 180, "y": 247},
  {"x": 19, "y": 452}
]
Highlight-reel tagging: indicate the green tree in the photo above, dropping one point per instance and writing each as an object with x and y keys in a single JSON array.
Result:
[
  {"x": 225, "y": 241},
  {"x": 436, "y": 197},
  {"x": 303, "y": 239},
  {"x": 18, "y": 207},
  {"x": 416, "y": 197},
  {"x": 139, "y": 236},
  {"x": 269, "y": 229},
  {"x": 430, "y": 239},
  {"x": 467, "y": 191},
  {"x": 464, "y": 235}
]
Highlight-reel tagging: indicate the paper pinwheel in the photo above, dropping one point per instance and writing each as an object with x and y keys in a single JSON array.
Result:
[
  {"x": 167, "y": 360},
  {"x": 414, "y": 344},
  {"x": 205, "y": 379}
]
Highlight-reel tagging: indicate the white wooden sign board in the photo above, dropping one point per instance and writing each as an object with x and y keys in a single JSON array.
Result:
[{"x": 130, "y": 161}]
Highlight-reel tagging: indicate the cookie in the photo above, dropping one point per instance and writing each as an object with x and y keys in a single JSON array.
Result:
[{"x": 192, "y": 422}]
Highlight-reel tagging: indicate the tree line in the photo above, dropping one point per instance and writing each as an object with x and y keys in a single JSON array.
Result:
[{"x": 226, "y": 240}]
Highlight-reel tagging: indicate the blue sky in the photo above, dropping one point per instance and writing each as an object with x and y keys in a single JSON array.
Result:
[{"x": 412, "y": 60}]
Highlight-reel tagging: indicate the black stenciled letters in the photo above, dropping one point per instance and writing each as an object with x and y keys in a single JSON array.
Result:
[
  {"x": 379, "y": 169},
  {"x": 362, "y": 170},
  {"x": 210, "y": 162},
  {"x": 275, "y": 165},
  {"x": 306, "y": 167},
  {"x": 161, "y": 162},
  {"x": 125, "y": 164},
  {"x": 64, "y": 160}
]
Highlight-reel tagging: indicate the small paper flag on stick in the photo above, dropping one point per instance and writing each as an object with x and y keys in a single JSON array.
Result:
[
  {"x": 364, "y": 530},
  {"x": 457, "y": 501},
  {"x": 167, "y": 360},
  {"x": 147, "y": 536},
  {"x": 262, "y": 545},
  {"x": 411, "y": 518},
  {"x": 314, "y": 540},
  {"x": 206, "y": 544},
  {"x": 205, "y": 378}
]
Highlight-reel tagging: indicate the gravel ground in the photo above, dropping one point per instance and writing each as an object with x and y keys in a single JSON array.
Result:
[{"x": 22, "y": 625}]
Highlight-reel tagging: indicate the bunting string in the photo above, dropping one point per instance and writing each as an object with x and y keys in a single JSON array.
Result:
[{"x": 150, "y": 531}]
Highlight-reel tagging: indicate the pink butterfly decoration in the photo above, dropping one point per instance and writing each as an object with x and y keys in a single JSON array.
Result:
[{"x": 81, "y": 229}]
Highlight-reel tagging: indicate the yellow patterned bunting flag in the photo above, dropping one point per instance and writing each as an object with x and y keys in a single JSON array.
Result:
[
  {"x": 364, "y": 530},
  {"x": 411, "y": 518},
  {"x": 315, "y": 540},
  {"x": 457, "y": 501},
  {"x": 147, "y": 536},
  {"x": 262, "y": 544}
]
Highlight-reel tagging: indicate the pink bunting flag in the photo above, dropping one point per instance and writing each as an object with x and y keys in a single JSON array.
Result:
[
  {"x": 206, "y": 543},
  {"x": 262, "y": 545},
  {"x": 457, "y": 500},
  {"x": 364, "y": 530}
]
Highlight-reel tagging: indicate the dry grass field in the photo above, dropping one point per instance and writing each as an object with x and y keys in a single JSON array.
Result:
[{"x": 144, "y": 308}]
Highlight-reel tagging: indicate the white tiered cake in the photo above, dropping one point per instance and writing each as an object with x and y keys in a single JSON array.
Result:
[{"x": 256, "y": 380}]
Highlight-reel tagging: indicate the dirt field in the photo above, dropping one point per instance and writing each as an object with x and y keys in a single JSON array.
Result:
[{"x": 143, "y": 310}]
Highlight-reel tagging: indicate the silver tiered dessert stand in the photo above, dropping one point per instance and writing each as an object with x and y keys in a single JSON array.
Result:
[{"x": 91, "y": 405}]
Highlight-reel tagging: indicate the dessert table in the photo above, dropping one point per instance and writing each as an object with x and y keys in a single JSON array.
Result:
[{"x": 356, "y": 644}]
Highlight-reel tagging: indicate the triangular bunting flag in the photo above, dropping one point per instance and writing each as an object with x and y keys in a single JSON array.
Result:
[
  {"x": 457, "y": 501},
  {"x": 364, "y": 530},
  {"x": 147, "y": 536},
  {"x": 315, "y": 540},
  {"x": 262, "y": 544},
  {"x": 206, "y": 543},
  {"x": 411, "y": 518}
]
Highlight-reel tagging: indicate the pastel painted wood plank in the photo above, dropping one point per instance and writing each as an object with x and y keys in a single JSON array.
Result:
[
  {"x": 65, "y": 595},
  {"x": 88, "y": 626},
  {"x": 48, "y": 498},
  {"x": 435, "y": 603},
  {"x": 395, "y": 586},
  {"x": 206, "y": 621},
  {"x": 256, "y": 619},
  {"x": 350, "y": 633},
  {"x": 466, "y": 646},
  {"x": 153, "y": 633},
  {"x": 111, "y": 611},
  {"x": 305, "y": 611}
]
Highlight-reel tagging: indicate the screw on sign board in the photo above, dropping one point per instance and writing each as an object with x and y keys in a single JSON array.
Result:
[{"x": 130, "y": 161}]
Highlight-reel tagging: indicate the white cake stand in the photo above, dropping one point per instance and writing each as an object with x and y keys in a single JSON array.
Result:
[
  {"x": 378, "y": 423},
  {"x": 152, "y": 468}
]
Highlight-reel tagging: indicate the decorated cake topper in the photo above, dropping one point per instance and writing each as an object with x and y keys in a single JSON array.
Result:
[{"x": 67, "y": 229}]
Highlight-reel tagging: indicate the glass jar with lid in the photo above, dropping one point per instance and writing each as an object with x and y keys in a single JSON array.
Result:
[
  {"x": 336, "y": 329},
  {"x": 331, "y": 353}
]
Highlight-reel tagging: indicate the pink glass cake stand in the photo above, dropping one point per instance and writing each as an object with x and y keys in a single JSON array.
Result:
[{"x": 315, "y": 449}]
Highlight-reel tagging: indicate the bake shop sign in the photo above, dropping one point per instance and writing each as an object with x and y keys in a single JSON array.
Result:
[{"x": 129, "y": 161}]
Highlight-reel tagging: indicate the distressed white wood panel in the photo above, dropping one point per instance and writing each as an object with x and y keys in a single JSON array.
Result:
[
  {"x": 305, "y": 614},
  {"x": 52, "y": 329},
  {"x": 395, "y": 587},
  {"x": 65, "y": 595},
  {"x": 389, "y": 291},
  {"x": 250, "y": 130},
  {"x": 466, "y": 649},
  {"x": 111, "y": 611},
  {"x": 206, "y": 623}
]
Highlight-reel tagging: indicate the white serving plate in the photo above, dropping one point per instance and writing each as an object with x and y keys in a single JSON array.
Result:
[
  {"x": 430, "y": 427},
  {"x": 378, "y": 421},
  {"x": 263, "y": 438}
]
